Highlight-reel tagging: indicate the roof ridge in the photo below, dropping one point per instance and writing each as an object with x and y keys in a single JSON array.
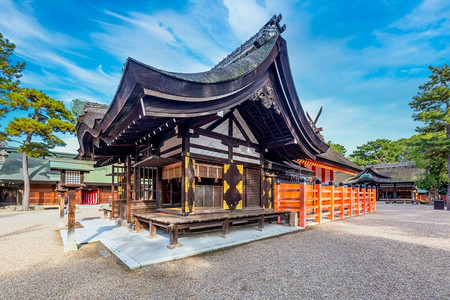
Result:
[{"x": 269, "y": 30}]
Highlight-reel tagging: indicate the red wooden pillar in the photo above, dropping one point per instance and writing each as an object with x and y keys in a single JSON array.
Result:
[
  {"x": 374, "y": 198},
  {"x": 350, "y": 193},
  {"x": 331, "y": 215},
  {"x": 277, "y": 200},
  {"x": 358, "y": 200},
  {"x": 319, "y": 201},
  {"x": 342, "y": 208},
  {"x": 363, "y": 198},
  {"x": 302, "y": 208}
]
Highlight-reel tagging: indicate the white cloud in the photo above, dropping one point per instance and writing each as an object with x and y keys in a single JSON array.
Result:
[
  {"x": 51, "y": 50},
  {"x": 246, "y": 17},
  {"x": 425, "y": 15},
  {"x": 166, "y": 40},
  {"x": 71, "y": 144}
]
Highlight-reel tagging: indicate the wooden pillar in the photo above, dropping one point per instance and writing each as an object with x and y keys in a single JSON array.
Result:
[
  {"x": 395, "y": 193},
  {"x": 331, "y": 215},
  {"x": 374, "y": 192},
  {"x": 70, "y": 244},
  {"x": 128, "y": 179},
  {"x": 226, "y": 229},
  {"x": 99, "y": 195},
  {"x": 173, "y": 237},
  {"x": 350, "y": 193},
  {"x": 342, "y": 208},
  {"x": 363, "y": 197},
  {"x": 159, "y": 189},
  {"x": 358, "y": 200},
  {"x": 151, "y": 230},
  {"x": 261, "y": 223},
  {"x": 184, "y": 207},
  {"x": 61, "y": 224},
  {"x": 302, "y": 208},
  {"x": 369, "y": 198},
  {"x": 319, "y": 201},
  {"x": 277, "y": 199},
  {"x": 113, "y": 205}
]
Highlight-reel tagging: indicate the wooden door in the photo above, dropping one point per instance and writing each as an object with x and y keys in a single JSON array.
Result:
[{"x": 253, "y": 187}]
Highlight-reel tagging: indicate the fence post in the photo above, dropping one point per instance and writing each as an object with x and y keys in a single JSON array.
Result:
[
  {"x": 302, "y": 206},
  {"x": 277, "y": 200},
  {"x": 358, "y": 199},
  {"x": 341, "y": 209},
  {"x": 374, "y": 198},
  {"x": 363, "y": 197},
  {"x": 350, "y": 193},
  {"x": 369, "y": 198},
  {"x": 331, "y": 215},
  {"x": 319, "y": 201}
]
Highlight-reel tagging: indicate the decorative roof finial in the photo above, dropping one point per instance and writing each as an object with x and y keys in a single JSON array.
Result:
[{"x": 271, "y": 29}]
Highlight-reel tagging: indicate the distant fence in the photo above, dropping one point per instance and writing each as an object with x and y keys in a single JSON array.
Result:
[{"x": 324, "y": 201}]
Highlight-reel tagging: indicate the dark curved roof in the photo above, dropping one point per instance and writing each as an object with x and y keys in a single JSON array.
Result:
[
  {"x": 335, "y": 158},
  {"x": 148, "y": 98},
  {"x": 374, "y": 177},
  {"x": 240, "y": 68}
]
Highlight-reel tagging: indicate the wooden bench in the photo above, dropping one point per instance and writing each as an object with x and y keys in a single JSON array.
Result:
[
  {"x": 173, "y": 223},
  {"x": 106, "y": 211}
]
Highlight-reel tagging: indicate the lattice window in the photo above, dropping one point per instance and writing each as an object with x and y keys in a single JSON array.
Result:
[
  {"x": 172, "y": 171},
  {"x": 208, "y": 171},
  {"x": 73, "y": 177}
]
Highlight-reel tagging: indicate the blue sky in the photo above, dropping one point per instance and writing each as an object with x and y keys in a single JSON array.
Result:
[{"x": 361, "y": 60}]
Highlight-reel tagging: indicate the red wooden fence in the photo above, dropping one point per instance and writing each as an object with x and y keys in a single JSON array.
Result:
[{"x": 319, "y": 201}]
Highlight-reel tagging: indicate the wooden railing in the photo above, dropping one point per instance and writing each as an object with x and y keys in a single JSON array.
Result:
[{"x": 318, "y": 202}]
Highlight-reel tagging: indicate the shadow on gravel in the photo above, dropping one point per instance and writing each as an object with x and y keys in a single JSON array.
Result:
[
  {"x": 91, "y": 218},
  {"x": 6, "y": 215},
  {"x": 21, "y": 231}
]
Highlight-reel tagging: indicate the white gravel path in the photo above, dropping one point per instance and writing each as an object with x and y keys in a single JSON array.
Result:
[{"x": 399, "y": 252}]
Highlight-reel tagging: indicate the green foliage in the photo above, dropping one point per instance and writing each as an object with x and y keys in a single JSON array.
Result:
[
  {"x": 46, "y": 117},
  {"x": 380, "y": 151},
  {"x": 431, "y": 104},
  {"x": 431, "y": 147},
  {"x": 432, "y": 159},
  {"x": 338, "y": 147},
  {"x": 9, "y": 75}
]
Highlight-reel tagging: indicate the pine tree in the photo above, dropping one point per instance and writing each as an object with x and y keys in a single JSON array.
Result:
[
  {"x": 45, "y": 116},
  {"x": 9, "y": 76},
  {"x": 432, "y": 107},
  {"x": 338, "y": 147},
  {"x": 379, "y": 151}
]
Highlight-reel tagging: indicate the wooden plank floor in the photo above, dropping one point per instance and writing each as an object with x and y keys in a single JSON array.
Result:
[{"x": 166, "y": 218}]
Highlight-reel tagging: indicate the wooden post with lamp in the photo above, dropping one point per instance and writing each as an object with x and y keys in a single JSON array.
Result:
[{"x": 72, "y": 179}]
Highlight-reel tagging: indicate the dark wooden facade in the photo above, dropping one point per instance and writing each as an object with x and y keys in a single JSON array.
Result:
[{"x": 214, "y": 140}]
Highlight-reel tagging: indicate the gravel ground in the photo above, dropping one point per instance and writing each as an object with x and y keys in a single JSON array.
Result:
[{"x": 399, "y": 252}]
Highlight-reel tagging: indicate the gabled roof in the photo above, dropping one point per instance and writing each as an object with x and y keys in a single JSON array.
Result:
[
  {"x": 399, "y": 172},
  {"x": 369, "y": 175},
  {"x": 153, "y": 100},
  {"x": 40, "y": 170}
]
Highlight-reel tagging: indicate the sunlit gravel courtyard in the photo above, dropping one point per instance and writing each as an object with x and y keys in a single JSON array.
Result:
[{"x": 399, "y": 252}]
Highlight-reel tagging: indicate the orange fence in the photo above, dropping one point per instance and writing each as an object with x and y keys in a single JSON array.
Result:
[{"x": 324, "y": 201}]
